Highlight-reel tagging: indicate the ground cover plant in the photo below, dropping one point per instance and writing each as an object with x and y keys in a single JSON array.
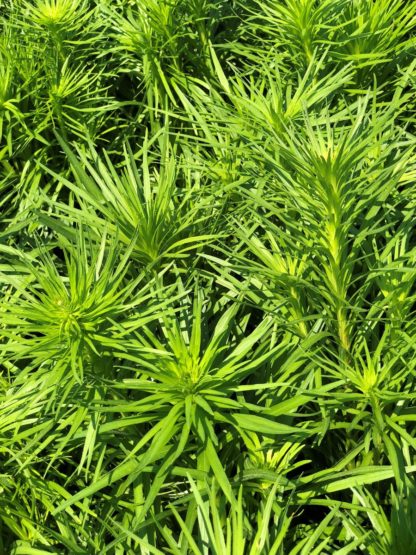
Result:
[{"x": 208, "y": 266}]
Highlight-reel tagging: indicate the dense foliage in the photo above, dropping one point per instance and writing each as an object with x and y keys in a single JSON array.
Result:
[{"x": 208, "y": 265}]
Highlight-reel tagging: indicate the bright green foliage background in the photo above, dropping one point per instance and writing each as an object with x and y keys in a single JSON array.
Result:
[{"x": 207, "y": 275}]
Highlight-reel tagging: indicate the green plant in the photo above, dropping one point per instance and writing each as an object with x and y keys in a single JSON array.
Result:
[{"x": 207, "y": 283}]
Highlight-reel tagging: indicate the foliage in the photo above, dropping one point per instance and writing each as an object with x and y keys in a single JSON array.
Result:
[{"x": 208, "y": 283}]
